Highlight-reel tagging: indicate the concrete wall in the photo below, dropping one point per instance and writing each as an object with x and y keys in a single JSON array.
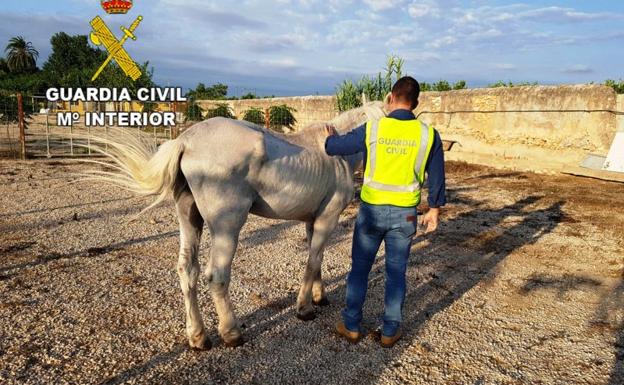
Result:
[
  {"x": 534, "y": 128},
  {"x": 308, "y": 109},
  {"x": 620, "y": 118}
]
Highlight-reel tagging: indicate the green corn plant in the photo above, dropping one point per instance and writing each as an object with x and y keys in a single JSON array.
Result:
[{"x": 347, "y": 96}]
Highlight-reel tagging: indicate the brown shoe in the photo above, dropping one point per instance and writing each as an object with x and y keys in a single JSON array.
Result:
[
  {"x": 388, "y": 342},
  {"x": 350, "y": 336}
]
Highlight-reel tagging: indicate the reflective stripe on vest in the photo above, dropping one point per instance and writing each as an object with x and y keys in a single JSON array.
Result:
[{"x": 407, "y": 193}]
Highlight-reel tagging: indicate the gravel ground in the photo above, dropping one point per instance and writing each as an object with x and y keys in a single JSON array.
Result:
[{"x": 523, "y": 284}]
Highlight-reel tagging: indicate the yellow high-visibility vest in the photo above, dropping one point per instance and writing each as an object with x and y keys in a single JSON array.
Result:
[{"x": 397, "y": 152}]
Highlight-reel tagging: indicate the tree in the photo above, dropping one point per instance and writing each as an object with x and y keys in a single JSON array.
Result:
[
  {"x": 215, "y": 92},
  {"x": 4, "y": 68},
  {"x": 73, "y": 62},
  {"x": 249, "y": 95},
  {"x": 21, "y": 55}
]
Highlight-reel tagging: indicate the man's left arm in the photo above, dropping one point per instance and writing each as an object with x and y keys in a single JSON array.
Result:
[
  {"x": 437, "y": 184},
  {"x": 348, "y": 144}
]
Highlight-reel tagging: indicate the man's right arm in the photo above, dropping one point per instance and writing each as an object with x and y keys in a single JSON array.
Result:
[{"x": 351, "y": 143}]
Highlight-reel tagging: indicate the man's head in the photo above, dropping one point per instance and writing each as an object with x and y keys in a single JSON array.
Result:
[{"x": 404, "y": 94}]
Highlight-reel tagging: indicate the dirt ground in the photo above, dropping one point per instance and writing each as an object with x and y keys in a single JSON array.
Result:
[{"x": 522, "y": 284}]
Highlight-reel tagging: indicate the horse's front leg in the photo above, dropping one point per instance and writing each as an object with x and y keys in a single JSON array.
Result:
[{"x": 318, "y": 234}]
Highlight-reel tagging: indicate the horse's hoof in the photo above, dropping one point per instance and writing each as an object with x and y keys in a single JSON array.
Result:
[
  {"x": 322, "y": 302},
  {"x": 202, "y": 345},
  {"x": 306, "y": 316},
  {"x": 235, "y": 342}
]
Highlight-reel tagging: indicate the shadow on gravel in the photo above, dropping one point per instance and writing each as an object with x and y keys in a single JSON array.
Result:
[
  {"x": 76, "y": 217},
  {"x": 263, "y": 235},
  {"x": 607, "y": 318},
  {"x": 89, "y": 252},
  {"x": 151, "y": 363},
  {"x": 47, "y": 210},
  {"x": 466, "y": 250},
  {"x": 561, "y": 285}
]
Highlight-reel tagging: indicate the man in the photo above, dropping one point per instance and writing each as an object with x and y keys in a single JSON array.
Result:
[{"x": 398, "y": 150}]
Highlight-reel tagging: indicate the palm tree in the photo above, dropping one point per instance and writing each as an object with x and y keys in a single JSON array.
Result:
[{"x": 21, "y": 55}]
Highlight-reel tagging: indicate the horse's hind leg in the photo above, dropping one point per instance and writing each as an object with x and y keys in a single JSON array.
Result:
[
  {"x": 225, "y": 208},
  {"x": 191, "y": 224},
  {"x": 219, "y": 271}
]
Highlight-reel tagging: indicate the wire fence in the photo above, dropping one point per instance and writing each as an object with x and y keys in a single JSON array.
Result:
[
  {"x": 29, "y": 126},
  {"x": 36, "y": 132}
]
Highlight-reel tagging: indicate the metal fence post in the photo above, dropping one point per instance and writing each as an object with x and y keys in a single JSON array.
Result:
[
  {"x": 71, "y": 132},
  {"x": 22, "y": 132},
  {"x": 48, "y": 134},
  {"x": 89, "y": 139},
  {"x": 173, "y": 131}
]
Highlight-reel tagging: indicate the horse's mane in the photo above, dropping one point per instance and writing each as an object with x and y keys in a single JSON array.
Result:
[{"x": 353, "y": 118}]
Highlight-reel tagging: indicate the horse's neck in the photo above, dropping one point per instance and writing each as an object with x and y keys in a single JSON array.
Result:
[
  {"x": 308, "y": 137},
  {"x": 351, "y": 119}
]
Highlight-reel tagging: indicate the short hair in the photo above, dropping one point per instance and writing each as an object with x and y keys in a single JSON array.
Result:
[{"x": 407, "y": 90}]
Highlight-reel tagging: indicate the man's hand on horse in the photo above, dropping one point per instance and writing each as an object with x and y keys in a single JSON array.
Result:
[
  {"x": 430, "y": 220},
  {"x": 330, "y": 130},
  {"x": 327, "y": 131}
]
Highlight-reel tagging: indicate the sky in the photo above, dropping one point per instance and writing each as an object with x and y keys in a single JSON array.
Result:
[{"x": 304, "y": 47}]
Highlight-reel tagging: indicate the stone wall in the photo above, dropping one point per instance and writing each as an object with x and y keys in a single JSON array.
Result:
[
  {"x": 620, "y": 118},
  {"x": 308, "y": 109},
  {"x": 534, "y": 128},
  {"x": 537, "y": 128}
]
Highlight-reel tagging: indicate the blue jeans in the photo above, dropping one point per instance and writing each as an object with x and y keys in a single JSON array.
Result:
[{"x": 375, "y": 223}]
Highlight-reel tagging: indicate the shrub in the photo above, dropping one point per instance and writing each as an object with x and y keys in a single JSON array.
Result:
[
  {"x": 443, "y": 85},
  {"x": 501, "y": 83},
  {"x": 220, "y": 109},
  {"x": 254, "y": 115},
  {"x": 617, "y": 86},
  {"x": 194, "y": 112},
  {"x": 149, "y": 107},
  {"x": 460, "y": 85},
  {"x": 281, "y": 116}
]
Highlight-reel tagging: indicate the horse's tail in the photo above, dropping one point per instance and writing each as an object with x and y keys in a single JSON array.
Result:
[{"x": 138, "y": 165}]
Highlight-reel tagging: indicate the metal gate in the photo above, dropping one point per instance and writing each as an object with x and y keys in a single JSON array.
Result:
[{"x": 29, "y": 126}]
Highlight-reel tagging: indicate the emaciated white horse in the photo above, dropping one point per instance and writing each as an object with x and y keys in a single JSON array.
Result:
[{"x": 219, "y": 171}]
